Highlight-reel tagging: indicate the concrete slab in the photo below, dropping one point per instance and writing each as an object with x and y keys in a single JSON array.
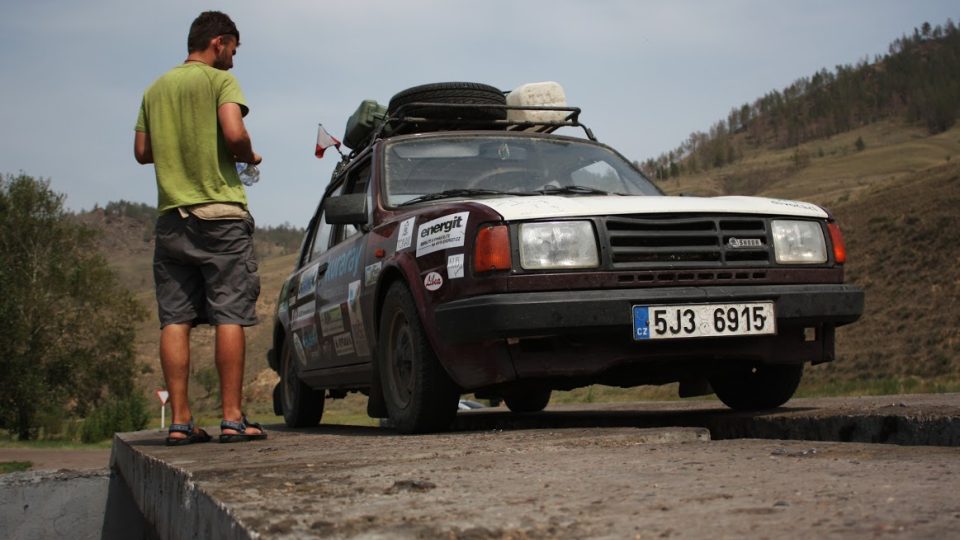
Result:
[
  {"x": 74, "y": 505},
  {"x": 545, "y": 481},
  {"x": 923, "y": 419}
]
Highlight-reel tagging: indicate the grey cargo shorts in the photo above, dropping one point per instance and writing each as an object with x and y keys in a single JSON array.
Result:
[{"x": 205, "y": 271}]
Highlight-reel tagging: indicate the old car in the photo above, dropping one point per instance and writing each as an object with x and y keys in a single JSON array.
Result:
[{"x": 468, "y": 247}]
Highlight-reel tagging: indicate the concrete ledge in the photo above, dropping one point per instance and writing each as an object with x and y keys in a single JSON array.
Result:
[
  {"x": 173, "y": 506},
  {"x": 886, "y": 429},
  {"x": 576, "y": 471}
]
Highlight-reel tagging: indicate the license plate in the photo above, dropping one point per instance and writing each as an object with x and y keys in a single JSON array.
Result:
[{"x": 703, "y": 320}]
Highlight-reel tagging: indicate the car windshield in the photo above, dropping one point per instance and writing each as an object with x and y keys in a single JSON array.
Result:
[{"x": 434, "y": 168}]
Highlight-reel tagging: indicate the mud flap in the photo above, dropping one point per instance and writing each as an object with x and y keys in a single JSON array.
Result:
[{"x": 828, "y": 335}]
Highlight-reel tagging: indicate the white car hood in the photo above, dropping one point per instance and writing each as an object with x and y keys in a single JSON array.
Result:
[{"x": 547, "y": 206}]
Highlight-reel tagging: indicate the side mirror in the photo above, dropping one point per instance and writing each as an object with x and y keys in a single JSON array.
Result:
[{"x": 346, "y": 209}]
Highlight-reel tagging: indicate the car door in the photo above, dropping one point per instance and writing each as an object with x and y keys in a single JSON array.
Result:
[
  {"x": 304, "y": 320},
  {"x": 343, "y": 335}
]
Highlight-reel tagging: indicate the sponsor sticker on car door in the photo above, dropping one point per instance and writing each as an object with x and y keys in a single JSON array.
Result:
[{"x": 442, "y": 233}]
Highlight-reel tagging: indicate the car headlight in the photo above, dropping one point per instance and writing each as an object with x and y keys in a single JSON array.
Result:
[
  {"x": 558, "y": 244},
  {"x": 799, "y": 242}
]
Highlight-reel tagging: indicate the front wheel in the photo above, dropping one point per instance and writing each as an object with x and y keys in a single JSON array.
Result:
[
  {"x": 757, "y": 387},
  {"x": 302, "y": 405},
  {"x": 419, "y": 394}
]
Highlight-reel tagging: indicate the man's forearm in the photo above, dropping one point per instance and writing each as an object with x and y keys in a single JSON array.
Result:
[
  {"x": 142, "y": 150},
  {"x": 242, "y": 149},
  {"x": 235, "y": 133}
]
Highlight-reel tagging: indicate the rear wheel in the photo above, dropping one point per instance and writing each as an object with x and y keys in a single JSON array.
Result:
[
  {"x": 528, "y": 400},
  {"x": 419, "y": 395},
  {"x": 756, "y": 387},
  {"x": 302, "y": 405}
]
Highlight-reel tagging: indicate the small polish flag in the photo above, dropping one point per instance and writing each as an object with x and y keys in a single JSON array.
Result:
[{"x": 324, "y": 141}]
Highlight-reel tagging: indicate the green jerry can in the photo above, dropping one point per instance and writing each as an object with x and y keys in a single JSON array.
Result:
[{"x": 361, "y": 123}]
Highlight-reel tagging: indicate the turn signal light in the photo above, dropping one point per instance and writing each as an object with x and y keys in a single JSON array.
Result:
[
  {"x": 492, "y": 249},
  {"x": 839, "y": 248}
]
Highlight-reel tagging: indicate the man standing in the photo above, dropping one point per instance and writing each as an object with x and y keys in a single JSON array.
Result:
[{"x": 191, "y": 128}]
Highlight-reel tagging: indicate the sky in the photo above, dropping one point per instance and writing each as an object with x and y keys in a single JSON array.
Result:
[{"x": 645, "y": 73}]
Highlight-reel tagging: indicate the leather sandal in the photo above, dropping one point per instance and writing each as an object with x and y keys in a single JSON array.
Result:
[
  {"x": 193, "y": 434},
  {"x": 241, "y": 428}
]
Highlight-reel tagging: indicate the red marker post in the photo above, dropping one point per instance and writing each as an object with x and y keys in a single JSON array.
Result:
[{"x": 164, "y": 396}]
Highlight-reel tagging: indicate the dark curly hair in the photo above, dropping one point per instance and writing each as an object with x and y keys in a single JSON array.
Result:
[{"x": 207, "y": 26}]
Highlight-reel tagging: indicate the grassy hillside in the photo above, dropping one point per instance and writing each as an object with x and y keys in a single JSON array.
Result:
[{"x": 128, "y": 245}]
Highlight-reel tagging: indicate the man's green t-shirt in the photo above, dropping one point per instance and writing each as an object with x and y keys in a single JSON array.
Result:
[{"x": 192, "y": 162}]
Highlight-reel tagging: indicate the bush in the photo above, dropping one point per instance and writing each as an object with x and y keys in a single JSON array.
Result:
[
  {"x": 66, "y": 342},
  {"x": 116, "y": 415}
]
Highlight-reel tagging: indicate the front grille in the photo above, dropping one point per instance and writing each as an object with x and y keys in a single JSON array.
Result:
[{"x": 647, "y": 242}]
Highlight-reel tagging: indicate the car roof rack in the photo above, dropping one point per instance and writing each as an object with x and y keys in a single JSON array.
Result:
[{"x": 400, "y": 120}]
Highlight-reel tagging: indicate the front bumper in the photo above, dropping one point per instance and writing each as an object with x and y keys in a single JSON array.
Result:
[{"x": 507, "y": 315}]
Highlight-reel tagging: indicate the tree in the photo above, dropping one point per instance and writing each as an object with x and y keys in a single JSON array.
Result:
[{"x": 67, "y": 332}]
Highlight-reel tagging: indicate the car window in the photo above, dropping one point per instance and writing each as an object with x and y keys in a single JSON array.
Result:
[
  {"x": 358, "y": 180},
  {"x": 321, "y": 236},
  {"x": 504, "y": 163},
  {"x": 599, "y": 175}
]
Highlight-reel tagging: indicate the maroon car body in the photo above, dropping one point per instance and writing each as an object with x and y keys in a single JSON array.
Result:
[{"x": 419, "y": 280}]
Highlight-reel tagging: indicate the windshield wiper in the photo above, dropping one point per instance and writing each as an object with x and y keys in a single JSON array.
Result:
[
  {"x": 570, "y": 190},
  {"x": 450, "y": 193}
]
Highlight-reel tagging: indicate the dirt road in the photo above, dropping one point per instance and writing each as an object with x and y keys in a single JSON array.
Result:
[{"x": 563, "y": 482}]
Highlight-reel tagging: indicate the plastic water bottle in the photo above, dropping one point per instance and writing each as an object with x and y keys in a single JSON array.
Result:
[{"x": 249, "y": 173}]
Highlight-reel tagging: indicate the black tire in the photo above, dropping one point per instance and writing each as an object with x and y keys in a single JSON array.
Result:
[
  {"x": 451, "y": 92},
  {"x": 302, "y": 405},
  {"x": 757, "y": 387},
  {"x": 529, "y": 400},
  {"x": 419, "y": 394}
]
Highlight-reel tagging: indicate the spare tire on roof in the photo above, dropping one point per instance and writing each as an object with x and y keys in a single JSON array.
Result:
[{"x": 455, "y": 93}]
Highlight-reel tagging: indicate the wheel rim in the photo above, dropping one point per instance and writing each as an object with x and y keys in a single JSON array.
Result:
[{"x": 401, "y": 355}]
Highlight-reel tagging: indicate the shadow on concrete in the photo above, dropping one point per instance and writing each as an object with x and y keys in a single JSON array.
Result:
[
  {"x": 122, "y": 518},
  {"x": 787, "y": 423}
]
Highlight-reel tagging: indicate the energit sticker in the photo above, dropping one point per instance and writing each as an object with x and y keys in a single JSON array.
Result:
[
  {"x": 442, "y": 233},
  {"x": 455, "y": 266},
  {"x": 406, "y": 233}
]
